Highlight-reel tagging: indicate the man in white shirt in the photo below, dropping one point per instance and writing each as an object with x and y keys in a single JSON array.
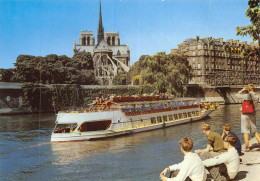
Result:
[
  {"x": 191, "y": 168},
  {"x": 215, "y": 166}
]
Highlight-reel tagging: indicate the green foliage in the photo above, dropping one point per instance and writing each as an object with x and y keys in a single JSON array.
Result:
[
  {"x": 6, "y": 75},
  {"x": 54, "y": 69},
  {"x": 83, "y": 60},
  {"x": 122, "y": 78},
  {"x": 166, "y": 73},
  {"x": 37, "y": 97},
  {"x": 72, "y": 96},
  {"x": 253, "y": 13}
]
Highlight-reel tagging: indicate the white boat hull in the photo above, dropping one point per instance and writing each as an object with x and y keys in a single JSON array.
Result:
[{"x": 94, "y": 135}]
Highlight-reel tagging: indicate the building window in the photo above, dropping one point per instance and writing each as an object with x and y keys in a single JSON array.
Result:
[
  {"x": 193, "y": 53},
  {"x": 198, "y": 52},
  {"x": 198, "y": 65},
  {"x": 199, "y": 72},
  {"x": 193, "y": 59},
  {"x": 199, "y": 46},
  {"x": 193, "y": 65}
]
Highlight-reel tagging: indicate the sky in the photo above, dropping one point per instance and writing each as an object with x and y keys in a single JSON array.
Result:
[{"x": 42, "y": 27}]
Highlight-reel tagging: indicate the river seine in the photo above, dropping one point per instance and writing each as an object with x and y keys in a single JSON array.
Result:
[{"x": 27, "y": 154}]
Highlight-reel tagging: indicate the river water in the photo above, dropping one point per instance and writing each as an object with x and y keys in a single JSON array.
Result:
[{"x": 27, "y": 154}]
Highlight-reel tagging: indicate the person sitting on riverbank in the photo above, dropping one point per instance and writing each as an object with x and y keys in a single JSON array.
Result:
[
  {"x": 214, "y": 141},
  {"x": 226, "y": 165},
  {"x": 191, "y": 168},
  {"x": 226, "y": 132}
]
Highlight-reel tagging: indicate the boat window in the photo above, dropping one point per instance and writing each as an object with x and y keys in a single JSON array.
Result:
[
  {"x": 185, "y": 115},
  {"x": 158, "y": 106},
  {"x": 180, "y": 115},
  {"x": 170, "y": 118},
  {"x": 164, "y": 118},
  {"x": 145, "y": 107},
  {"x": 153, "y": 121},
  {"x": 95, "y": 126},
  {"x": 197, "y": 113},
  {"x": 175, "y": 116},
  {"x": 189, "y": 114},
  {"x": 172, "y": 104},
  {"x": 65, "y": 128},
  {"x": 127, "y": 109},
  {"x": 159, "y": 119},
  {"x": 193, "y": 113}
]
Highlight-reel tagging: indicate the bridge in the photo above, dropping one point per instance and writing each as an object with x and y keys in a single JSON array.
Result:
[{"x": 232, "y": 78}]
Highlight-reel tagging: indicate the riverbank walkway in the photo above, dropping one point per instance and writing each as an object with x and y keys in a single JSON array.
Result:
[
  {"x": 250, "y": 166},
  {"x": 249, "y": 169}
]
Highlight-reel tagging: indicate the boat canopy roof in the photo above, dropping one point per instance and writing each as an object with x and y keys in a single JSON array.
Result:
[
  {"x": 194, "y": 100},
  {"x": 79, "y": 118}
]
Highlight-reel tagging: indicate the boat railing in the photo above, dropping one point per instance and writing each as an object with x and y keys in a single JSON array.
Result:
[
  {"x": 139, "y": 98},
  {"x": 134, "y": 113}
]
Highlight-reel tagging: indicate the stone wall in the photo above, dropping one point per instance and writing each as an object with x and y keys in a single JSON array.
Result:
[
  {"x": 224, "y": 95},
  {"x": 12, "y": 99}
]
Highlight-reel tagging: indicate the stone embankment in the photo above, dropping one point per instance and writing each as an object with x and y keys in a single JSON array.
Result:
[
  {"x": 250, "y": 166},
  {"x": 12, "y": 96},
  {"x": 249, "y": 169}
]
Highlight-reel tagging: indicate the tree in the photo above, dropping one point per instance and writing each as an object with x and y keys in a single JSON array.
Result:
[
  {"x": 122, "y": 78},
  {"x": 54, "y": 69},
  {"x": 83, "y": 60},
  {"x": 253, "y": 30},
  {"x": 6, "y": 75},
  {"x": 166, "y": 73}
]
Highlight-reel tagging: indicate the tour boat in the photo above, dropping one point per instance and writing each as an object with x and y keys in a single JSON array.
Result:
[{"x": 127, "y": 115}]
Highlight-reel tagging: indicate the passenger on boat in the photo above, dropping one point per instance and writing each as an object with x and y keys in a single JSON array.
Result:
[
  {"x": 215, "y": 141},
  {"x": 206, "y": 106},
  {"x": 226, "y": 165},
  {"x": 97, "y": 100},
  {"x": 226, "y": 132},
  {"x": 202, "y": 105},
  {"x": 191, "y": 168}
]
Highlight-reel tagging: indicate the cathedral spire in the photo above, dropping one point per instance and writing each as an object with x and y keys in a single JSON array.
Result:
[{"x": 100, "y": 26}]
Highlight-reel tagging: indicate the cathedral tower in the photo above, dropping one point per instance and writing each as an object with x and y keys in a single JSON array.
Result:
[
  {"x": 110, "y": 57},
  {"x": 100, "y": 32}
]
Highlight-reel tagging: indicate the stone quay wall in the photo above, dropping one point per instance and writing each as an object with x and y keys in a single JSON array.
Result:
[{"x": 12, "y": 97}]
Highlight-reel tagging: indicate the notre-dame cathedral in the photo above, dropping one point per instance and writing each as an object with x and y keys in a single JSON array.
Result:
[{"x": 109, "y": 56}]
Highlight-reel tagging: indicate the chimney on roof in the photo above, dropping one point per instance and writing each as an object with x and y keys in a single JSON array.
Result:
[
  {"x": 220, "y": 40},
  {"x": 197, "y": 39},
  {"x": 244, "y": 43},
  {"x": 173, "y": 51},
  {"x": 236, "y": 42},
  {"x": 230, "y": 41}
]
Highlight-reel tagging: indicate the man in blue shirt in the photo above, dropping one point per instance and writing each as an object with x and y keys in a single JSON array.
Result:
[{"x": 226, "y": 132}]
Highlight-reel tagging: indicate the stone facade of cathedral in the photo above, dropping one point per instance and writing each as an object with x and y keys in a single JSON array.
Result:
[{"x": 109, "y": 56}]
